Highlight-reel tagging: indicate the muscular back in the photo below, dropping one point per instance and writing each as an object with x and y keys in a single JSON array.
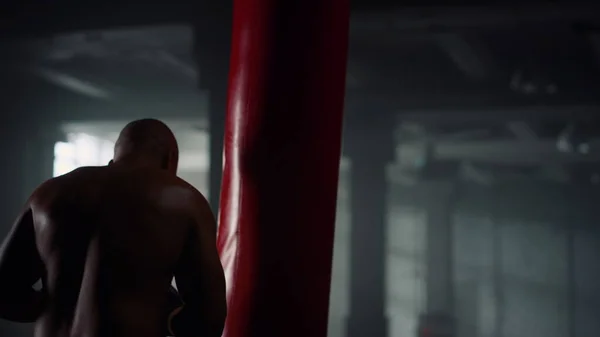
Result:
[{"x": 111, "y": 239}]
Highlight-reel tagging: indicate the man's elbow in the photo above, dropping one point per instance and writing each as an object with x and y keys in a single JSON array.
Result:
[
  {"x": 217, "y": 321},
  {"x": 24, "y": 306},
  {"x": 223, "y": 317},
  {"x": 204, "y": 321}
]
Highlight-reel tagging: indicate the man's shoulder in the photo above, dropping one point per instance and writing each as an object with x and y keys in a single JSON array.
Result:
[
  {"x": 78, "y": 174},
  {"x": 72, "y": 180},
  {"x": 187, "y": 191},
  {"x": 197, "y": 207},
  {"x": 84, "y": 172},
  {"x": 170, "y": 187}
]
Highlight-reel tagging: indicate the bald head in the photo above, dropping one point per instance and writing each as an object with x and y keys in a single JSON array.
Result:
[{"x": 148, "y": 142}]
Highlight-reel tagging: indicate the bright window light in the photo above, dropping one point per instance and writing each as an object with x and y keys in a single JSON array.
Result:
[{"x": 81, "y": 150}]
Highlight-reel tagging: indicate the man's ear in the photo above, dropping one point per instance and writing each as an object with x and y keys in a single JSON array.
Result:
[
  {"x": 110, "y": 162},
  {"x": 165, "y": 163},
  {"x": 170, "y": 162}
]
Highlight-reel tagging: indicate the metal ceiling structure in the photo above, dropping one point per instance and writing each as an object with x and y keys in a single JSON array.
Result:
[{"x": 478, "y": 79}]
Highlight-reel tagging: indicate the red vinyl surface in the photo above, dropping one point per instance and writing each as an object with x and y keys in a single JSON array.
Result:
[{"x": 281, "y": 163}]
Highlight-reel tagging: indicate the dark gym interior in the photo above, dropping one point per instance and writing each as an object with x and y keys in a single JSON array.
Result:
[{"x": 471, "y": 168}]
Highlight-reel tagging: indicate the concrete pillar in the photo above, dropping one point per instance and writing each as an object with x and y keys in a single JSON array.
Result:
[
  {"x": 438, "y": 318},
  {"x": 212, "y": 44},
  {"x": 28, "y": 150},
  {"x": 370, "y": 149},
  {"x": 11, "y": 177},
  {"x": 217, "y": 106},
  {"x": 39, "y": 156},
  {"x": 439, "y": 248},
  {"x": 571, "y": 223},
  {"x": 498, "y": 275}
]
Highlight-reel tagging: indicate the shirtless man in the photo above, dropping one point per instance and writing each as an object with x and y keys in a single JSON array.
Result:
[{"x": 106, "y": 242}]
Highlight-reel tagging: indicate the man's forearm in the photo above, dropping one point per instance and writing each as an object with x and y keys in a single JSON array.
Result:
[
  {"x": 22, "y": 306},
  {"x": 189, "y": 322}
]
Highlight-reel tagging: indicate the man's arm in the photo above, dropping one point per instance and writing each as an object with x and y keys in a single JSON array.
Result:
[
  {"x": 200, "y": 280},
  {"x": 20, "y": 268}
]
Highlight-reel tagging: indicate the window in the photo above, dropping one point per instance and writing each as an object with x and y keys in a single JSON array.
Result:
[{"x": 81, "y": 149}]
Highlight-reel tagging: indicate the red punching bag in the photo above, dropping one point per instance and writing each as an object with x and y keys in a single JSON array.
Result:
[{"x": 281, "y": 162}]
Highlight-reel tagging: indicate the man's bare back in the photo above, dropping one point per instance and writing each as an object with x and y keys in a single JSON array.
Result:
[{"x": 106, "y": 242}]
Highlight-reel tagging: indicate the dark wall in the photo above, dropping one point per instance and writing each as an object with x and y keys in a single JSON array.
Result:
[
  {"x": 516, "y": 269},
  {"x": 524, "y": 258},
  {"x": 27, "y": 152},
  {"x": 28, "y": 131}
]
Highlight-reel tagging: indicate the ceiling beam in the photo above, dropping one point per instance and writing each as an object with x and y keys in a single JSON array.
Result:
[
  {"x": 477, "y": 104},
  {"x": 594, "y": 39},
  {"x": 53, "y": 18},
  {"x": 465, "y": 54},
  {"x": 498, "y": 152},
  {"x": 533, "y": 113},
  {"x": 114, "y": 42},
  {"x": 522, "y": 131},
  {"x": 180, "y": 66},
  {"x": 460, "y": 17},
  {"x": 73, "y": 83}
]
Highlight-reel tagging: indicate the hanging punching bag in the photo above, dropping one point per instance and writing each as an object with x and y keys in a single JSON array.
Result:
[{"x": 281, "y": 162}]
